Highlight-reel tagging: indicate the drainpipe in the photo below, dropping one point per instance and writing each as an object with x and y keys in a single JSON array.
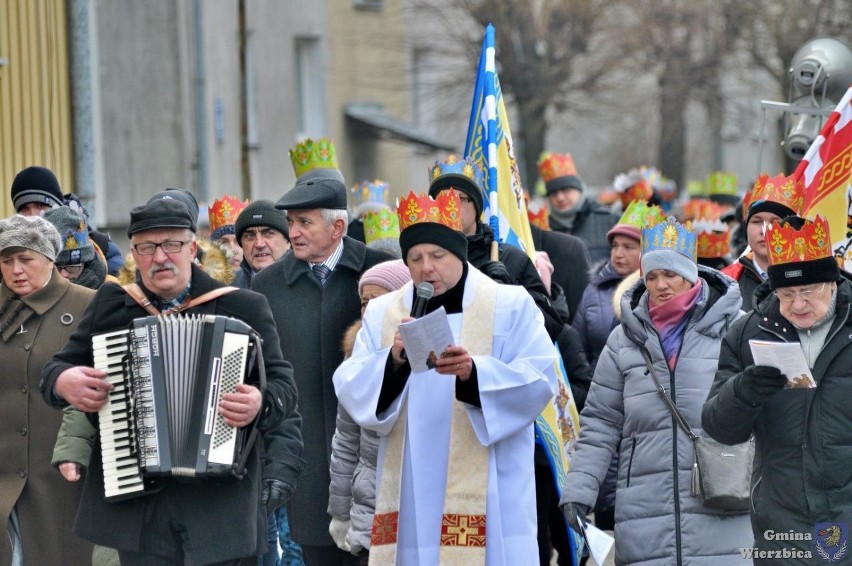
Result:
[{"x": 200, "y": 103}]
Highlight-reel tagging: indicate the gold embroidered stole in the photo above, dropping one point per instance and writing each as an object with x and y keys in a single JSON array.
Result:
[{"x": 462, "y": 537}]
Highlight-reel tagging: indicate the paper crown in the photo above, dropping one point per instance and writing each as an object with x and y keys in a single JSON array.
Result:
[
  {"x": 785, "y": 244},
  {"x": 632, "y": 186},
  {"x": 703, "y": 209},
  {"x": 223, "y": 215},
  {"x": 779, "y": 189},
  {"x": 554, "y": 165},
  {"x": 539, "y": 217},
  {"x": 443, "y": 209},
  {"x": 76, "y": 238},
  {"x": 454, "y": 166},
  {"x": 721, "y": 183},
  {"x": 311, "y": 154},
  {"x": 670, "y": 235},
  {"x": 380, "y": 225},
  {"x": 375, "y": 191},
  {"x": 640, "y": 214},
  {"x": 713, "y": 238}
]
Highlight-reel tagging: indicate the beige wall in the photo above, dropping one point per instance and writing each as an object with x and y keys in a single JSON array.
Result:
[{"x": 35, "y": 108}]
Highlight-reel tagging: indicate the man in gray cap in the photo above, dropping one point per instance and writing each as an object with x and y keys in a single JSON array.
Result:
[
  {"x": 187, "y": 521},
  {"x": 313, "y": 293}
]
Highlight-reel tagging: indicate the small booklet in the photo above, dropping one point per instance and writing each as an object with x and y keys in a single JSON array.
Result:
[
  {"x": 786, "y": 356},
  {"x": 425, "y": 339}
]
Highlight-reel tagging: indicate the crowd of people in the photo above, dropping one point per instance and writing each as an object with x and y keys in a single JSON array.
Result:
[{"x": 353, "y": 452}]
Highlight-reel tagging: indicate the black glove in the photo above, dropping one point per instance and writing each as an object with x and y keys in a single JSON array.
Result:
[
  {"x": 571, "y": 511},
  {"x": 758, "y": 383},
  {"x": 496, "y": 270},
  {"x": 274, "y": 494}
]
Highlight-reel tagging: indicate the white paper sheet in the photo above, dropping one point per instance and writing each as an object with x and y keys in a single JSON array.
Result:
[
  {"x": 786, "y": 356},
  {"x": 600, "y": 543},
  {"x": 425, "y": 338}
]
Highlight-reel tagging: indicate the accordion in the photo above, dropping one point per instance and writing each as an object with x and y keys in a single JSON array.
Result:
[{"x": 161, "y": 417}]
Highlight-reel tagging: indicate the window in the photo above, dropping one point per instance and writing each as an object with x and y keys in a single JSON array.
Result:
[{"x": 309, "y": 88}]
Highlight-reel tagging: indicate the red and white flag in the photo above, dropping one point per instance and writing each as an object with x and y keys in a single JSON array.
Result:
[{"x": 826, "y": 171}]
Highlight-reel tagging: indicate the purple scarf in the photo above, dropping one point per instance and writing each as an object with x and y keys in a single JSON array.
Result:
[{"x": 670, "y": 320}]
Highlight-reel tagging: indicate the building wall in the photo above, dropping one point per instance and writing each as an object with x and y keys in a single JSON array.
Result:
[{"x": 35, "y": 108}]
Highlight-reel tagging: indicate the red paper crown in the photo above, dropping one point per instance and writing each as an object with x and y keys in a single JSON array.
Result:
[
  {"x": 780, "y": 189},
  {"x": 539, "y": 218},
  {"x": 224, "y": 212},
  {"x": 555, "y": 165},
  {"x": 714, "y": 244},
  {"x": 704, "y": 209},
  {"x": 785, "y": 244},
  {"x": 443, "y": 209}
]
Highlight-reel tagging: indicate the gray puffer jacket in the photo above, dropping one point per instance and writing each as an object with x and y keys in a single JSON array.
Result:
[
  {"x": 657, "y": 521},
  {"x": 352, "y": 491}
]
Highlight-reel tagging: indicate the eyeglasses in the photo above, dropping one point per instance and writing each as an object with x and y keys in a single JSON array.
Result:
[
  {"x": 169, "y": 246},
  {"x": 787, "y": 295},
  {"x": 73, "y": 269},
  {"x": 266, "y": 234}
]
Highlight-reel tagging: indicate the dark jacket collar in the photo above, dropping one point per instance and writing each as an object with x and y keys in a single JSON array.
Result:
[{"x": 201, "y": 283}]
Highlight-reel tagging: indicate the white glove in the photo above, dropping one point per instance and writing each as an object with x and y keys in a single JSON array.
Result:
[{"x": 338, "y": 529}]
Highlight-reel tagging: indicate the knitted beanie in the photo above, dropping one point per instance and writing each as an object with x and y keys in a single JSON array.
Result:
[
  {"x": 261, "y": 213},
  {"x": 30, "y": 232},
  {"x": 451, "y": 240},
  {"x": 390, "y": 275},
  {"x": 669, "y": 260},
  {"x": 76, "y": 245},
  {"x": 36, "y": 184}
]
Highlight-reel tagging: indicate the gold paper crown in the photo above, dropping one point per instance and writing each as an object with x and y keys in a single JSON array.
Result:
[
  {"x": 554, "y": 165},
  {"x": 640, "y": 214},
  {"x": 223, "y": 214},
  {"x": 779, "y": 189},
  {"x": 539, "y": 217},
  {"x": 380, "y": 225},
  {"x": 713, "y": 238},
  {"x": 721, "y": 183},
  {"x": 443, "y": 209},
  {"x": 313, "y": 154},
  {"x": 785, "y": 244}
]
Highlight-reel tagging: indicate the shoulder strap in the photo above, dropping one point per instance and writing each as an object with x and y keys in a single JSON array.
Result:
[
  {"x": 136, "y": 293},
  {"x": 666, "y": 399}
]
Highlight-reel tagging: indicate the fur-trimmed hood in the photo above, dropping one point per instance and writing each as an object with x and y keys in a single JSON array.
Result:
[{"x": 215, "y": 261}]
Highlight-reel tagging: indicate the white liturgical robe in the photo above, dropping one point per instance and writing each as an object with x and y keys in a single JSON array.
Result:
[{"x": 515, "y": 383}]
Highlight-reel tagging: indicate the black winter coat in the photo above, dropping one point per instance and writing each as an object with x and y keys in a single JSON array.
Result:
[
  {"x": 571, "y": 262},
  {"x": 802, "y": 474},
  {"x": 311, "y": 322},
  {"x": 224, "y": 517}
]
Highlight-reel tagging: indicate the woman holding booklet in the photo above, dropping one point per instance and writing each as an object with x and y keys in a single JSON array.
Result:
[
  {"x": 672, "y": 323},
  {"x": 801, "y": 479}
]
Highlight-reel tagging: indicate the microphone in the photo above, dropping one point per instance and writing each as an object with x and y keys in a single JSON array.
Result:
[{"x": 424, "y": 292}]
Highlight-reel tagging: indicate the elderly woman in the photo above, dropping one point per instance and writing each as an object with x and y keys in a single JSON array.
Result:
[
  {"x": 678, "y": 313},
  {"x": 354, "y": 450},
  {"x": 803, "y": 435},
  {"x": 456, "y": 441},
  {"x": 38, "y": 311}
]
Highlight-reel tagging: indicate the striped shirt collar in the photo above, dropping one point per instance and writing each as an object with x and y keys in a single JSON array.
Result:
[{"x": 332, "y": 260}]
